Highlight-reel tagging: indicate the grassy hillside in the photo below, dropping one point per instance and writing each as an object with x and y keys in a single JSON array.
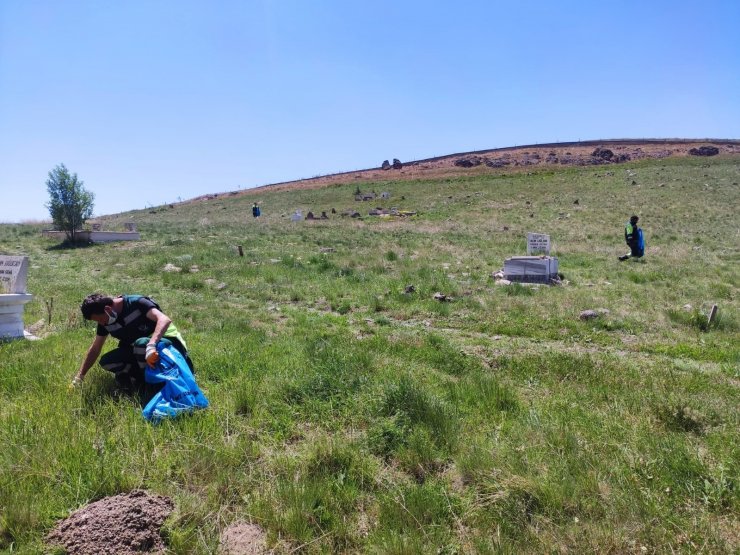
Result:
[{"x": 348, "y": 416}]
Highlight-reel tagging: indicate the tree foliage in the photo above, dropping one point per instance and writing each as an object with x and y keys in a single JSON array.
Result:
[{"x": 70, "y": 204}]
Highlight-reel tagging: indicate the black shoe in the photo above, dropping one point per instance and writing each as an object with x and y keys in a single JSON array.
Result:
[
  {"x": 625, "y": 257},
  {"x": 123, "y": 381}
]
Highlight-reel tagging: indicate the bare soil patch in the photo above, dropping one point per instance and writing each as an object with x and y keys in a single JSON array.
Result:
[
  {"x": 242, "y": 538},
  {"x": 124, "y": 524}
]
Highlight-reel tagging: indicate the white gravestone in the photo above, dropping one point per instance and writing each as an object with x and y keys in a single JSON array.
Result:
[
  {"x": 13, "y": 274},
  {"x": 538, "y": 243}
]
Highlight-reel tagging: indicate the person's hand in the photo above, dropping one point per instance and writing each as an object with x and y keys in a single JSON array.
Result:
[
  {"x": 152, "y": 356},
  {"x": 76, "y": 382}
]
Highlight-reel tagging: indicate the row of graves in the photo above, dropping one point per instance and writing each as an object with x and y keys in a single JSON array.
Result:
[{"x": 297, "y": 216}]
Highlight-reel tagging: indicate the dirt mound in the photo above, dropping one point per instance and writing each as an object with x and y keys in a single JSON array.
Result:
[
  {"x": 242, "y": 538},
  {"x": 124, "y": 524}
]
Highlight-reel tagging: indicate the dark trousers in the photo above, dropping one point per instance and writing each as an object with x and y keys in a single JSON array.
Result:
[
  {"x": 636, "y": 252},
  {"x": 127, "y": 362}
]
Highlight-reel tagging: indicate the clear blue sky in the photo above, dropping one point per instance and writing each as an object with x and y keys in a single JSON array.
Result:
[{"x": 151, "y": 101}]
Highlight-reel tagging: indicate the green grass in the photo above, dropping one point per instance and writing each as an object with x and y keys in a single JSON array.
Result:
[{"x": 349, "y": 416}]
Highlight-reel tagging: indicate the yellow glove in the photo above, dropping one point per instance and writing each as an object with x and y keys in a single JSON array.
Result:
[{"x": 152, "y": 356}]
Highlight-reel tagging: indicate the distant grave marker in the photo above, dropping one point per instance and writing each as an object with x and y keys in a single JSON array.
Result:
[
  {"x": 538, "y": 243},
  {"x": 712, "y": 314},
  {"x": 13, "y": 274}
]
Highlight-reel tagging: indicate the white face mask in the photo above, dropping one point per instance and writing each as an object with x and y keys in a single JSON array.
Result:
[{"x": 112, "y": 317}]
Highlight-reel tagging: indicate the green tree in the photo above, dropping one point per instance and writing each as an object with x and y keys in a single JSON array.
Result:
[{"x": 70, "y": 204}]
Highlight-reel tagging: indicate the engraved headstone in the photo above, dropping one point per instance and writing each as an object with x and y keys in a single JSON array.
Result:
[
  {"x": 538, "y": 243},
  {"x": 129, "y": 226},
  {"x": 13, "y": 274}
]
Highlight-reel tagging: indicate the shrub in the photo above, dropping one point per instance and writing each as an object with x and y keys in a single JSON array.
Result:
[{"x": 693, "y": 319}]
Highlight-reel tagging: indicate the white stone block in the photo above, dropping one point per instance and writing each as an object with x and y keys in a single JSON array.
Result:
[{"x": 11, "y": 314}]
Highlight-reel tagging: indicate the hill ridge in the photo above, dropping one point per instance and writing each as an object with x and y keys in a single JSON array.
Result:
[{"x": 444, "y": 165}]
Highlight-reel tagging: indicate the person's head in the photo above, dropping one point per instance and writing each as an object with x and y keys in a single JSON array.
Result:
[
  {"x": 633, "y": 219},
  {"x": 98, "y": 307}
]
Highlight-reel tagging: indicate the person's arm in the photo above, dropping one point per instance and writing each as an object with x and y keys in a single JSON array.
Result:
[
  {"x": 162, "y": 323},
  {"x": 92, "y": 355}
]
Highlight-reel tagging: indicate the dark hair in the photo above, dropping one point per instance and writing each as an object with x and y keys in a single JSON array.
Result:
[
  {"x": 95, "y": 304},
  {"x": 633, "y": 219}
]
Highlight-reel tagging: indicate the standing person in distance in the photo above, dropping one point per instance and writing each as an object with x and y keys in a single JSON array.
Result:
[
  {"x": 138, "y": 324},
  {"x": 634, "y": 238},
  {"x": 255, "y": 210}
]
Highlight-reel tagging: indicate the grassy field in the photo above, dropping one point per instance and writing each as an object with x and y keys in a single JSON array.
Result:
[{"x": 348, "y": 416}]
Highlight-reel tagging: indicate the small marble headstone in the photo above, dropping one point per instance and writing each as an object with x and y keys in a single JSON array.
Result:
[
  {"x": 538, "y": 243},
  {"x": 129, "y": 226},
  {"x": 13, "y": 274}
]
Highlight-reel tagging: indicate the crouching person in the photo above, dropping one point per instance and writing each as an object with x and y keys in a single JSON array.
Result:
[
  {"x": 138, "y": 324},
  {"x": 635, "y": 240}
]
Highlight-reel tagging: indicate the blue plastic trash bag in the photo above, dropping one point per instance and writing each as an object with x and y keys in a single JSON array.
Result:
[
  {"x": 640, "y": 240},
  {"x": 179, "y": 394}
]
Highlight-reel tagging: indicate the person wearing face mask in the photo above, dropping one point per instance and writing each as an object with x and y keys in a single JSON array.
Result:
[{"x": 138, "y": 324}]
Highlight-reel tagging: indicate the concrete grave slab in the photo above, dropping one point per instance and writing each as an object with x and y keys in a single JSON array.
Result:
[{"x": 531, "y": 269}]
